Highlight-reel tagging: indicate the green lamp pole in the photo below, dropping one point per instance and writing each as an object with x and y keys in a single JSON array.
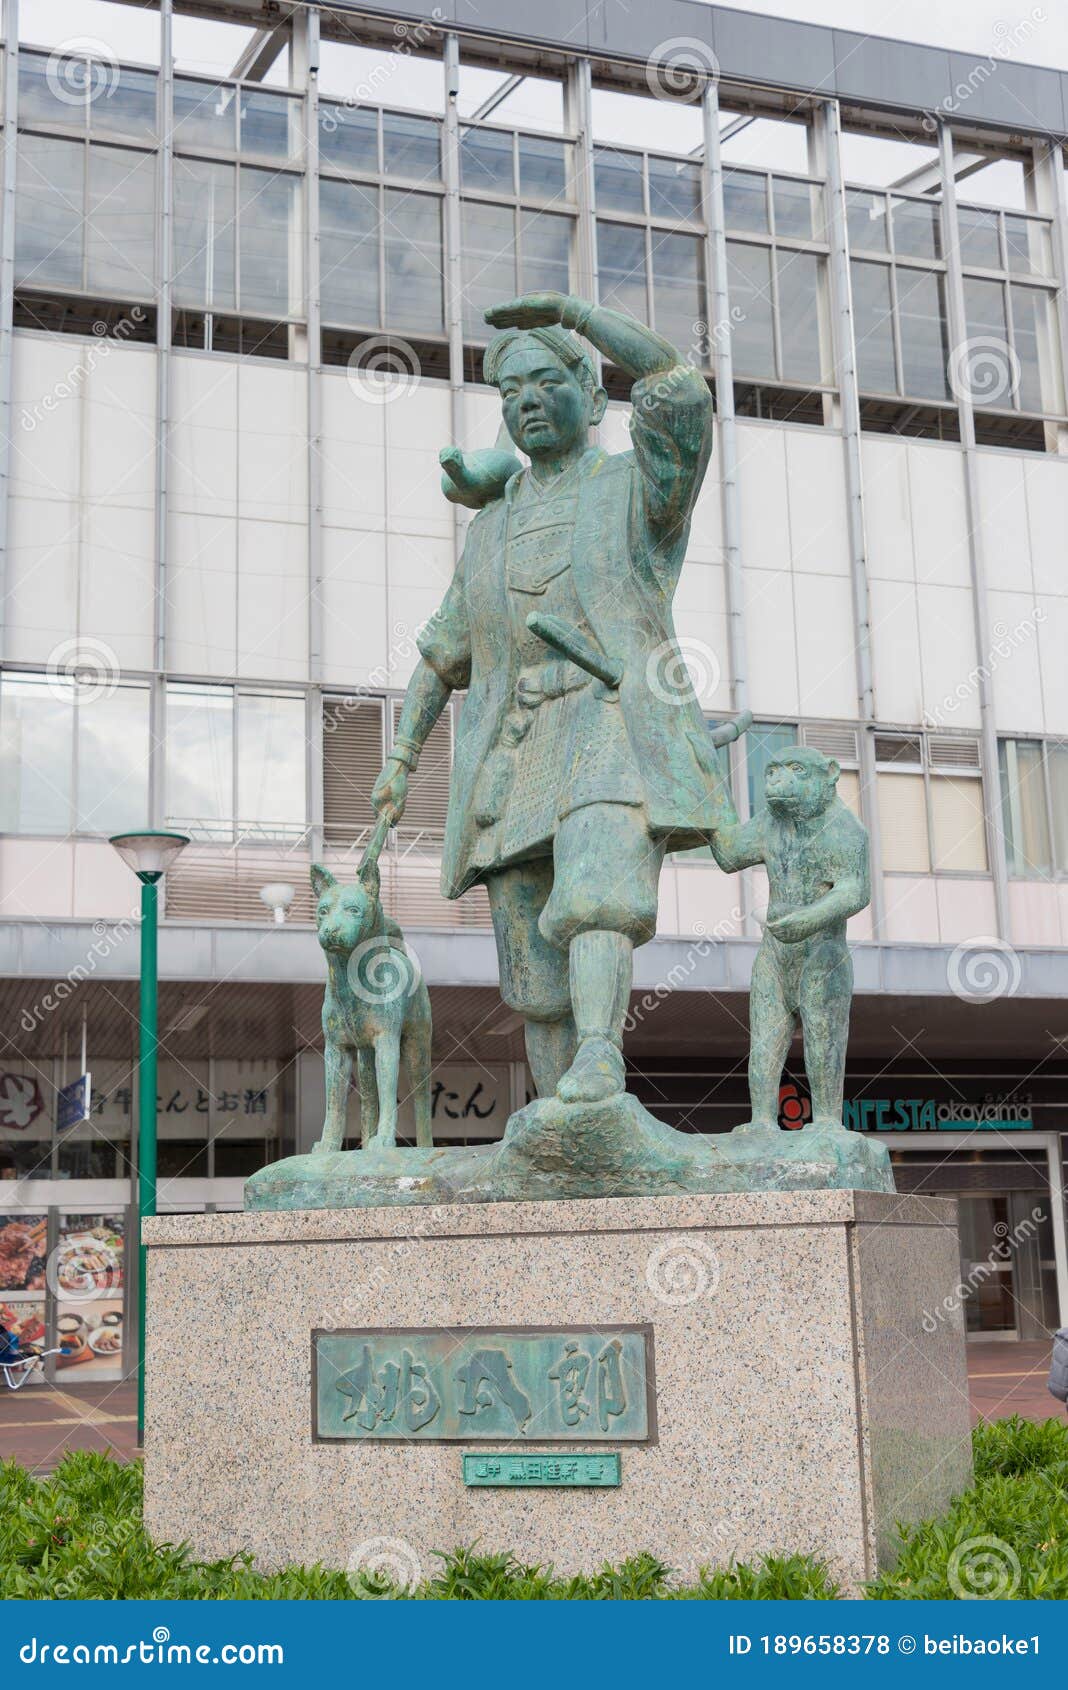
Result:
[{"x": 149, "y": 855}]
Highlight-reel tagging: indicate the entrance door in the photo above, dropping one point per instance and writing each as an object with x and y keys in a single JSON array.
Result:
[{"x": 1007, "y": 1265}]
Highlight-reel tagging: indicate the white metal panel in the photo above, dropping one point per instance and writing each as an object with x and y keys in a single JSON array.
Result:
[
  {"x": 46, "y": 428},
  {"x": 118, "y": 582},
  {"x": 947, "y": 645},
  {"x": 887, "y": 509},
  {"x": 356, "y": 638},
  {"x": 1046, "y": 482},
  {"x": 667, "y": 904},
  {"x": 347, "y": 412},
  {"x": 896, "y": 651},
  {"x": 423, "y": 562},
  {"x": 104, "y": 888},
  {"x": 709, "y": 902},
  {"x": 202, "y": 594},
  {"x": 417, "y": 426},
  {"x": 202, "y": 464},
  {"x": 482, "y": 418},
  {"x": 706, "y": 528},
  {"x": 815, "y": 467},
  {"x": 120, "y": 425},
  {"x": 939, "y": 514},
  {"x": 965, "y": 908},
  {"x": 771, "y": 644},
  {"x": 1003, "y": 510},
  {"x": 1053, "y": 659},
  {"x": 42, "y": 577},
  {"x": 1034, "y": 912},
  {"x": 36, "y": 878},
  {"x": 272, "y": 601},
  {"x": 764, "y": 509},
  {"x": 409, "y": 607},
  {"x": 826, "y": 657},
  {"x": 1014, "y": 663},
  {"x": 911, "y": 909},
  {"x": 272, "y": 474}
]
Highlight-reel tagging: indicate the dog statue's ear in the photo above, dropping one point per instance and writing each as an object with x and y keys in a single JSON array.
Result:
[
  {"x": 370, "y": 879},
  {"x": 321, "y": 878}
]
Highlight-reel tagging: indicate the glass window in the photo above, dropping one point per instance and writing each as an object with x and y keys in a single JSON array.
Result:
[
  {"x": 36, "y": 753},
  {"x": 745, "y": 201},
  {"x": 545, "y": 248},
  {"x": 348, "y": 138},
  {"x": 866, "y": 221},
  {"x": 1023, "y": 807},
  {"x": 205, "y": 243},
  {"x": 1027, "y": 242},
  {"x": 621, "y": 264},
  {"x": 763, "y": 742},
  {"x": 917, "y": 228},
  {"x": 121, "y": 228},
  {"x": 799, "y": 316},
  {"x": 205, "y": 115},
  {"x": 793, "y": 204},
  {"x": 992, "y": 374},
  {"x": 412, "y": 224},
  {"x": 674, "y": 189},
  {"x": 488, "y": 261},
  {"x": 268, "y": 123},
  {"x": 679, "y": 292},
  {"x": 752, "y": 331},
  {"x": 270, "y": 243},
  {"x": 977, "y": 232},
  {"x": 128, "y": 107},
  {"x": 873, "y": 326},
  {"x": 411, "y": 146},
  {"x": 958, "y": 824},
  {"x": 618, "y": 181},
  {"x": 903, "y": 823},
  {"x": 114, "y": 748},
  {"x": 348, "y": 253},
  {"x": 53, "y": 90},
  {"x": 1038, "y": 385},
  {"x": 271, "y": 796},
  {"x": 1057, "y": 762},
  {"x": 200, "y": 759},
  {"x": 486, "y": 160},
  {"x": 542, "y": 168},
  {"x": 924, "y": 334},
  {"x": 49, "y": 211}
]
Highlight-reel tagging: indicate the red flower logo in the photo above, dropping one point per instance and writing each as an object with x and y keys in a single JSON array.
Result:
[{"x": 794, "y": 1107}]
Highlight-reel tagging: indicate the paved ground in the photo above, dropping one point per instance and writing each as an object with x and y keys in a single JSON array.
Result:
[{"x": 38, "y": 1423}]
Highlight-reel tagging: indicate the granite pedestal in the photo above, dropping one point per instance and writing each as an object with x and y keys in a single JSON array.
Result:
[{"x": 801, "y": 1396}]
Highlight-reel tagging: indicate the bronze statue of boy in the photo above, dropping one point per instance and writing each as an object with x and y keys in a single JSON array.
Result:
[{"x": 576, "y": 765}]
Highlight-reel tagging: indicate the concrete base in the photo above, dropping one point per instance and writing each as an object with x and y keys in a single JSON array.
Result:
[{"x": 804, "y": 1397}]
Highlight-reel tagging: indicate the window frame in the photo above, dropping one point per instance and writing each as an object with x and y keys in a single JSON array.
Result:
[{"x": 929, "y": 773}]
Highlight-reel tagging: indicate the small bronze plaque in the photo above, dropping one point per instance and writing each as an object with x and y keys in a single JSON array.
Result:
[
  {"x": 559, "y": 1471},
  {"x": 468, "y": 1384}
]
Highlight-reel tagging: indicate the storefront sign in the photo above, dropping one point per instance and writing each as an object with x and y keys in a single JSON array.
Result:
[
  {"x": 552, "y": 1470},
  {"x": 471, "y": 1384},
  {"x": 995, "y": 1112}
]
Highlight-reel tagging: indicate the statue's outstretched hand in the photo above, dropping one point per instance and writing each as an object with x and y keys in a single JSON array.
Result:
[
  {"x": 794, "y": 926},
  {"x": 531, "y": 311},
  {"x": 390, "y": 791}
]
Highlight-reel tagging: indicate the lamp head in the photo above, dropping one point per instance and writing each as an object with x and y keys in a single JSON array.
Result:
[
  {"x": 150, "y": 854},
  {"x": 278, "y": 895}
]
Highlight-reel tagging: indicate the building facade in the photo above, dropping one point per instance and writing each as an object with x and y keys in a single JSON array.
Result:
[{"x": 239, "y": 318}]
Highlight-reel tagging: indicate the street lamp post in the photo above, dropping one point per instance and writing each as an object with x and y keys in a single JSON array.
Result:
[{"x": 149, "y": 854}]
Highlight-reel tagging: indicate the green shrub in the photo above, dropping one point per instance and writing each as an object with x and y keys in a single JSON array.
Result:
[{"x": 79, "y": 1534}]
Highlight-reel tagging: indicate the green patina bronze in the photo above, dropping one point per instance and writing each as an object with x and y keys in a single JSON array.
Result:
[
  {"x": 582, "y": 756},
  {"x": 558, "y": 1472},
  {"x": 474, "y": 1384}
]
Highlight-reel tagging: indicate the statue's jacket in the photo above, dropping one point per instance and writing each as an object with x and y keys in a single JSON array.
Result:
[{"x": 631, "y": 526}]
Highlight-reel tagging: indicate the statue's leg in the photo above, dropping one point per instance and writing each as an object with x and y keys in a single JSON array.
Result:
[
  {"x": 771, "y": 1027},
  {"x": 533, "y": 972},
  {"x": 365, "y": 1068},
  {"x": 603, "y": 903},
  {"x": 338, "y": 1068},
  {"x": 387, "y": 1074},
  {"x": 826, "y": 996}
]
